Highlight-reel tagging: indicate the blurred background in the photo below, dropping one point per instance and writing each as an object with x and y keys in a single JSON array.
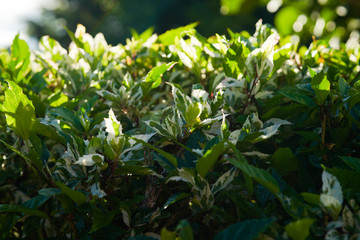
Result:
[{"x": 334, "y": 20}]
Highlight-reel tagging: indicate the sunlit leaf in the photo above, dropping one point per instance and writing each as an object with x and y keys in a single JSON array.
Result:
[
  {"x": 299, "y": 230},
  {"x": 19, "y": 111}
]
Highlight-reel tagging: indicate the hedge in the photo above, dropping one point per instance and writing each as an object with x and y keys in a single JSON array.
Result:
[{"x": 178, "y": 136}]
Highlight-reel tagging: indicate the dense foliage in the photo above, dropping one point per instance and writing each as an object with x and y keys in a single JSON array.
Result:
[{"x": 178, "y": 136}]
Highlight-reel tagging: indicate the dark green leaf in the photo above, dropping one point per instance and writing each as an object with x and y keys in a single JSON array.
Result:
[
  {"x": 49, "y": 191},
  {"x": 101, "y": 219},
  {"x": 36, "y": 202},
  {"x": 68, "y": 116},
  {"x": 185, "y": 230},
  {"x": 344, "y": 87},
  {"x": 168, "y": 156},
  {"x": 259, "y": 175},
  {"x": 284, "y": 161},
  {"x": 354, "y": 163},
  {"x": 12, "y": 208},
  {"x": 245, "y": 230},
  {"x": 175, "y": 198},
  {"x": 78, "y": 197},
  {"x": 297, "y": 95}
]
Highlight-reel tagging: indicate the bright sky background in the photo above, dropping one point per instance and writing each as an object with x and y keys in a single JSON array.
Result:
[{"x": 13, "y": 16}]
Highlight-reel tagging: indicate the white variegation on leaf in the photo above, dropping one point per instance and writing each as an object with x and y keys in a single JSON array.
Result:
[
  {"x": 215, "y": 128},
  {"x": 256, "y": 154},
  {"x": 96, "y": 191},
  {"x": 231, "y": 82},
  {"x": 271, "y": 126},
  {"x": 150, "y": 41},
  {"x": 252, "y": 123},
  {"x": 234, "y": 136},
  {"x": 208, "y": 121},
  {"x": 170, "y": 127},
  {"x": 185, "y": 59},
  {"x": 332, "y": 196},
  {"x": 189, "y": 50},
  {"x": 100, "y": 44},
  {"x": 199, "y": 152},
  {"x": 262, "y": 58},
  {"x": 183, "y": 175},
  {"x": 136, "y": 146},
  {"x": 223, "y": 181},
  {"x": 113, "y": 128},
  {"x": 90, "y": 160},
  {"x": 263, "y": 94},
  {"x": 199, "y": 95}
]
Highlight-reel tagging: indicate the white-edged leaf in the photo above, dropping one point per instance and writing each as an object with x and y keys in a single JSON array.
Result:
[
  {"x": 90, "y": 160},
  {"x": 224, "y": 180},
  {"x": 271, "y": 126},
  {"x": 332, "y": 196},
  {"x": 96, "y": 191}
]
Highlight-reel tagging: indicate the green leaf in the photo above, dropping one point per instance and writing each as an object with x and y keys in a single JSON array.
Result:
[
  {"x": 153, "y": 78},
  {"x": 12, "y": 208},
  {"x": 320, "y": 84},
  {"x": 49, "y": 191},
  {"x": 354, "y": 163},
  {"x": 192, "y": 114},
  {"x": 181, "y": 100},
  {"x": 78, "y": 197},
  {"x": 167, "y": 235},
  {"x": 297, "y": 95},
  {"x": 234, "y": 61},
  {"x": 344, "y": 87},
  {"x": 311, "y": 198},
  {"x": 245, "y": 230},
  {"x": 168, "y": 156},
  {"x": 20, "y": 58},
  {"x": 353, "y": 100},
  {"x": 175, "y": 198},
  {"x": 36, "y": 202},
  {"x": 168, "y": 37},
  {"x": 68, "y": 116},
  {"x": 58, "y": 99},
  {"x": 300, "y": 229},
  {"x": 101, "y": 219},
  {"x": 185, "y": 230},
  {"x": 27, "y": 159},
  {"x": 19, "y": 111},
  {"x": 284, "y": 161},
  {"x": 204, "y": 164},
  {"x": 259, "y": 175},
  {"x": 74, "y": 39}
]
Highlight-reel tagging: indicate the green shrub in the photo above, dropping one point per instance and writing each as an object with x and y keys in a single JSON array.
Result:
[{"x": 180, "y": 137}]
